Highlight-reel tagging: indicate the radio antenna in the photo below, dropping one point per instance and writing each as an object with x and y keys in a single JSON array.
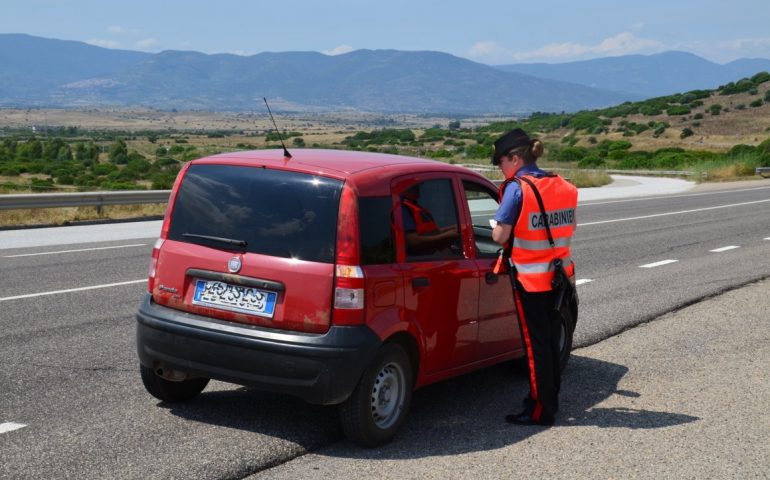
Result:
[{"x": 280, "y": 137}]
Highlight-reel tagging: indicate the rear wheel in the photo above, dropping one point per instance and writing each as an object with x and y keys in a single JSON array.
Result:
[
  {"x": 378, "y": 405},
  {"x": 169, "y": 391}
]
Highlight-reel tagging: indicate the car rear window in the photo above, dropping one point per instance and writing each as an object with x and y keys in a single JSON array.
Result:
[{"x": 258, "y": 210}]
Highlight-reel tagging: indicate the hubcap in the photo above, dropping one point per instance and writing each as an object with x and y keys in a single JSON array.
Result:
[{"x": 388, "y": 395}]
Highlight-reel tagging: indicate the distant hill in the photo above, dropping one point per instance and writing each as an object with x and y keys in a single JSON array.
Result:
[
  {"x": 645, "y": 75},
  {"x": 45, "y": 72}
]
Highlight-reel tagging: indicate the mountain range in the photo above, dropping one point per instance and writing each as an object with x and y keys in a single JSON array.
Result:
[
  {"x": 39, "y": 72},
  {"x": 646, "y": 75}
]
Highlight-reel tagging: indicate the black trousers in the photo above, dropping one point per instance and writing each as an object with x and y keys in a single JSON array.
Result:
[{"x": 540, "y": 330}]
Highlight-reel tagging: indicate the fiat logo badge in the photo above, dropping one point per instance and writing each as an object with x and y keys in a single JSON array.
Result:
[{"x": 234, "y": 265}]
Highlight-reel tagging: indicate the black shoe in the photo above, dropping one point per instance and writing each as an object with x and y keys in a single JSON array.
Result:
[{"x": 525, "y": 419}]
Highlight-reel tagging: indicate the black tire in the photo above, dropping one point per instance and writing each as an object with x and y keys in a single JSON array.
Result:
[
  {"x": 169, "y": 391},
  {"x": 375, "y": 410},
  {"x": 567, "y": 331}
]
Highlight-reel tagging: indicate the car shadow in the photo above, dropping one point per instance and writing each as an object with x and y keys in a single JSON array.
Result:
[{"x": 457, "y": 416}]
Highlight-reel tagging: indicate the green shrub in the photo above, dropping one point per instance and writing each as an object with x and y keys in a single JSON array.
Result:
[
  {"x": 760, "y": 78},
  {"x": 571, "y": 154},
  {"x": 756, "y": 103},
  {"x": 479, "y": 151},
  {"x": 743, "y": 85},
  {"x": 636, "y": 160},
  {"x": 687, "y": 132},
  {"x": 698, "y": 116},
  {"x": 619, "y": 145},
  {"x": 767, "y": 96},
  {"x": 677, "y": 110},
  {"x": 592, "y": 160},
  {"x": 650, "y": 111},
  {"x": 103, "y": 168},
  {"x": 715, "y": 109},
  {"x": 440, "y": 154},
  {"x": 740, "y": 106},
  {"x": 764, "y": 147},
  {"x": 741, "y": 150}
]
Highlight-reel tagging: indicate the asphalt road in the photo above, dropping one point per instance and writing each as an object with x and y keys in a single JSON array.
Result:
[{"x": 72, "y": 404}]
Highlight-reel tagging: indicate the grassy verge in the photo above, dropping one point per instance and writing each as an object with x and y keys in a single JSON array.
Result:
[{"x": 61, "y": 216}]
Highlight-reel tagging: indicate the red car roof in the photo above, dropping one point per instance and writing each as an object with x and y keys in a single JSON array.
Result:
[{"x": 364, "y": 168}]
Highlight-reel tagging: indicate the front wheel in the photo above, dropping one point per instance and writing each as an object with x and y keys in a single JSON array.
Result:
[
  {"x": 375, "y": 410},
  {"x": 566, "y": 333},
  {"x": 169, "y": 391}
]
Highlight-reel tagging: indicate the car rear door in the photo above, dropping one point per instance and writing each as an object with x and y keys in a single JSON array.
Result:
[{"x": 441, "y": 284}]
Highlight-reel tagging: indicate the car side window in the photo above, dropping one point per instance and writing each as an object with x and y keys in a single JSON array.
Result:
[
  {"x": 377, "y": 246},
  {"x": 482, "y": 205},
  {"x": 429, "y": 215}
]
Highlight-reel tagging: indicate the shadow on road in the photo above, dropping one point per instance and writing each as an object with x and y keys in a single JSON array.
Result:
[{"x": 457, "y": 416}]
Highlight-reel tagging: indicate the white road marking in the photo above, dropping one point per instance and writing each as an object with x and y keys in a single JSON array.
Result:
[
  {"x": 81, "y": 289},
  {"x": 658, "y": 264},
  {"x": 673, "y": 213},
  {"x": 724, "y": 249},
  {"x": 10, "y": 426},
  {"x": 639, "y": 199},
  {"x": 73, "y": 251},
  {"x": 583, "y": 281}
]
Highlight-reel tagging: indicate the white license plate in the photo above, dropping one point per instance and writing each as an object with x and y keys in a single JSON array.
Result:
[{"x": 235, "y": 298}]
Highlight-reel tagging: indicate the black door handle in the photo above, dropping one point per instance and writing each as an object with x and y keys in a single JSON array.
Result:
[
  {"x": 490, "y": 277},
  {"x": 418, "y": 282}
]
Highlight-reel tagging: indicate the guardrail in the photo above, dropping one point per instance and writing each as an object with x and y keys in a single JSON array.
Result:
[
  {"x": 764, "y": 172},
  {"x": 82, "y": 199},
  {"x": 668, "y": 173}
]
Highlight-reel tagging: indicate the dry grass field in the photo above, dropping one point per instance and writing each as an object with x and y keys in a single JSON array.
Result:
[{"x": 196, "y": 133}]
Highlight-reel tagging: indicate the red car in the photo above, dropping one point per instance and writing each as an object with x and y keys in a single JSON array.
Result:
[{"x": 340, "y": 277}]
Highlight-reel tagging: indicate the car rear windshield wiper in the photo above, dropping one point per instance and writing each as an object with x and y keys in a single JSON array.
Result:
[{"x": 228, "y": 241}]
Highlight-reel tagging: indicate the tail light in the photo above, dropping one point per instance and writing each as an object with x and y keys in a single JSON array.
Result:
[
  {"x": 164, "y": 229},
  {"x": 154, "y": 264},
  {"x": 349, "y": 279}
]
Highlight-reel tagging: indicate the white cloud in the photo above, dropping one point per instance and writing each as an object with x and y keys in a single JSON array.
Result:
[
  {"x": 744, "y": 44},
  {"x": 486, "y": 49},
  {"x": 338, "y": 50},
  {"x": 622, "y": 44},
  {"x": 104, "y": 43},
  {"x": 116, "y": 29},
  {"x": 146, "y": 43}
]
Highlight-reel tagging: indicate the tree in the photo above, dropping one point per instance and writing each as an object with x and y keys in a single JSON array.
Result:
[{"x": 119, "y": 152}]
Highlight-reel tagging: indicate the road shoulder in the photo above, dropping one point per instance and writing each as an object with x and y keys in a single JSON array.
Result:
[{"x": 684, "y": 396}]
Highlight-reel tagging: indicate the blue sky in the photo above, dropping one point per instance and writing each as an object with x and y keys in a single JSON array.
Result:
[{"x": 493, "y": 32}]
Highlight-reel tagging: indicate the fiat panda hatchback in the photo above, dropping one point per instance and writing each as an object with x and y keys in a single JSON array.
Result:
[{"x": 339, "y": 277}]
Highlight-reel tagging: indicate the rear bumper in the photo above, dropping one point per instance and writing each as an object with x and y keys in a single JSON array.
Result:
[{"x": 319, "y": 368}]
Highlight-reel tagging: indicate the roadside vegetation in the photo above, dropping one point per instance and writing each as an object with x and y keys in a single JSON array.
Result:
[{"x": 719, "y": 134}]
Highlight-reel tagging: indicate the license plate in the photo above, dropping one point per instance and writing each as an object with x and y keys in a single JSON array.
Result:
[{"x": 235, "y": 298}]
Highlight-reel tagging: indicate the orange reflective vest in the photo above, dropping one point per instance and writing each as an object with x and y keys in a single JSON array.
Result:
[
  {"x": 423, "y": 220},
  {"x": 531, "y": 252}
]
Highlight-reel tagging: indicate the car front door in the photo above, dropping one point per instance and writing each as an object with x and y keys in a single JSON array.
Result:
[
  {"x": 498, "y": 324},
  {"x": 441, "y": 284}
]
